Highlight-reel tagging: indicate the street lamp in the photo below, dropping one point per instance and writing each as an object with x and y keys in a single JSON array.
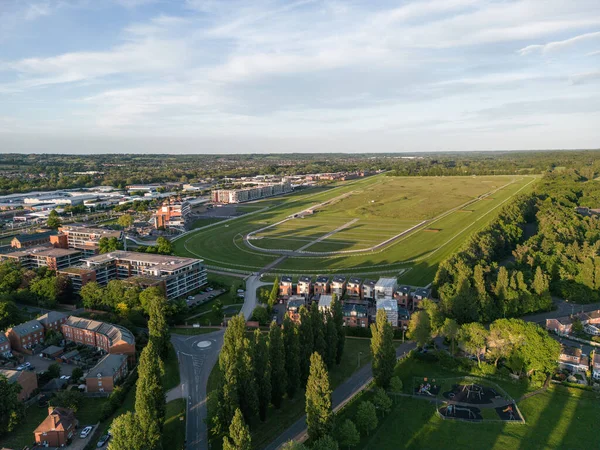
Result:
[
  {"x": 358, "y": 365},
  {"x": 404, "y": 328}
]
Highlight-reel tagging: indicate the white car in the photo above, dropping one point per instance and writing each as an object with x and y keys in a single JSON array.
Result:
[
  {"x": 27, "y": 364},
  {"x": 85, "y": 432},
  {"x": 65, "y": 377}
]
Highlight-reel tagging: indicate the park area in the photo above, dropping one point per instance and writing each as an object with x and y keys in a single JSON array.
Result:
[{"x": 371, "y": 226}]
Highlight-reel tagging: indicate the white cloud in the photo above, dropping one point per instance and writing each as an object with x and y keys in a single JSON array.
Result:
[{"x": 558, "y": 45}]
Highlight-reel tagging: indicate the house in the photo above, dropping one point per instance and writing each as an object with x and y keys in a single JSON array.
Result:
[
  {"x": 31, "y": 240},
  {"x": 52, "y": 320},
  {"x": 368, "y": 290},
  {"x": 304, "y": 286},
  {"x": 596, "y": 366},
  {"x": 322, "y": 285},
  {"x": 390, "y": 306},
  {"x": 26, "y": 378},
  {"x": 560, "y": 325},
  {"x": 385, "y": 287},
  {"x": 325, "y": 302},
  {"x": 57, "y": 429},
  {"x": 104, "y": 376},
  {"x": 355, "y": 315},
  {"x": 5, "y": 347},
  {"x": 25, "y": 335},
  {"x": 571, "y": 358},
  {"x": 403, "y": 318},
  {"x": 294, "y": 303},
  {"x": 564, "y": 325},
  {"x": 353, "y": 287},
  {"x": 286, "y": 286},
  {"x": 338, "y": 285},
  {"x": 111, "y": 338},
  {"x": 403, "y": 296},
  {"x": 419, "y": 295}
]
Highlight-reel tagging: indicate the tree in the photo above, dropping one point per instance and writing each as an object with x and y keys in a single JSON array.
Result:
[
  {"x": 54, "y": 221},
  {"x": 53, "y": 371},
  {"x": 382, "y": 348},
  {"x": 450, "y": 330},
  {"x": 337, "y": 316},
  {"x": 277, "y": 361},
  {"x": 293, "y": 445},
  {"x": 473, "y": 337},
  {"x": 382, "y": 402},
  {"x": 92, "y": 295},
  {"x": 366, "y": 417},
  {"x": 305, "y": 333},
  {"x": 67, "y": 399},
  {"x": 331, "y": 338},
  {"x": 262, "y": 373},
  {"x": 11, "y": 408},
  {"x": 325, "y": 443},
  {"x": 125, "y": 220},
  {"x": 126, "y": 433},
  {"x": 106, "y": 245},
  {"x": 150, "y": 396},
  {"x": 540, "y": 282},
  {"x": 291, "y": 342},
  {"x": 318, "y": 328},
  {"x": 45, "y": 289},
  {"x": 77, "y": 374},
  {"x": 274, "y": 293},
  {"x": 319, "y": 415},
  {"x": 348, "y": 435},
  {"x": 396, "y": 386},
  {"x": 261, "y": 315},
  {"x": 164, "y": 246},
  {"x": 158, "y": 329},
  {"x": 419, "y": 328},
  {"x": 239, "y": 435},
  {"x": 10, "y": 314}
]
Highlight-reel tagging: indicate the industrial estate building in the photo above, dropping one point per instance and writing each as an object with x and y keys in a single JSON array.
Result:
[{"x": 250, "y": 193}]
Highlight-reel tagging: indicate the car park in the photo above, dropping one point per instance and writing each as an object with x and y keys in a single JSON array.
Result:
[{"x": 85, "y": 432}]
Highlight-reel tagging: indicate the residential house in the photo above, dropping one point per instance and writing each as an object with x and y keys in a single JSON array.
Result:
[
  {"x": 353, "y": 287},
  {"x": 286, "y": 286},
  {"x": 338, "y": 285},
  {"x": 57, "y": 429},
  {"x": 403, "y": 318},
  {"x": 294, "y": 303},
  {"x": 419, "y": 295},
  {"x": 31, "y": 240},
  {"x": 104, "y": 376},
  {"x": 325, "y": 302},
  {"x": 5, "y": 347},
  {"x": 564, "y": 325},
  {"x": 386, "y": 287},
  {"x": 25, "y": 335},
  {"x": 304, "y": 286},
  {"x": 26, "y": 378},
  {"x": 322, "y": 285},
  {"x": 52, "y": 320},
  {"x": 404, "y": 297},
  {"x": 390, "y": 306},
  {"x": 571, "y": 358},
  {"x": 368, "y": 290},
  {"x": 355, "y": 315}
]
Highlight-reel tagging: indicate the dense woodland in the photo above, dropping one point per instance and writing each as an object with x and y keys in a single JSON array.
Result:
[
  {"x": 540, "y": 245},
  {"x": 22, "y": 173}
]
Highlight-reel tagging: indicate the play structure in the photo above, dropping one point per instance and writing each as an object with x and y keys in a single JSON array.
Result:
[
  {"x": 426, "y": 388},
  {"x": 509, "y": 413},
  {"x": 452, "y": 411},
  {"x": 471, "y": 393}
]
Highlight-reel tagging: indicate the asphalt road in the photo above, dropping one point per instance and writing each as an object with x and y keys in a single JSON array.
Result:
[{"x": 339, "y": 396}]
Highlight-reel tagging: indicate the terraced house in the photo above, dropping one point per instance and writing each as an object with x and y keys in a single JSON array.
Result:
[{"x": 25, "y": 336}]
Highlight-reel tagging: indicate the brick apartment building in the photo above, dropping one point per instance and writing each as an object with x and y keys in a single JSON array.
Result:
[
  {"x": 172, "y": 214},
  {"x": 286, "y": 286},
  {"x": 104, "y": 336},
  {"x": 25, "y": 335},
  {"x": 353, "y": 288},
  {"x": 321, "y": 285},
  {"x": 304, "y": 286},
  {"x": 27, "y": 379},
  {"x": 52, "y": 320},
  {"x": 355, "y": 315},
  {"x": 85, "y": 239},
  {"x": 250, "y": 193},
  {"x": 294, "y": 303},
  {"x": 177, "y": 275},
  {"x": 5, "y": 347},
  {"x": 57, "y": 428},
  {"x": 31, "y": 240},
  {"x": 338, "y": 285},
  {"x": 52, "y": 258},
  {"x": 104, "y": 376}
]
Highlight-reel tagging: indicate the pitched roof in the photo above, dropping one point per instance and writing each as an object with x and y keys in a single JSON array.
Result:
[
  {"x": 60, "y": 419},
  {"x": 322, "y": 279},
  {"x": 12, "y": 375},
  {"x": 107, "y": 366},
  {"x": 304, "y": 279},
  {"x": 570, "y": 351},
  {"x": 51, "y": 317},
  {"x": 26, "y": 328},
  {"x": 34, "y": 236},
  {"x": 114, "y": 333},
  {"x": 354, "y": 281},
  {"x": 3, "y": 337},
  {"x": 286, "y": 279}
]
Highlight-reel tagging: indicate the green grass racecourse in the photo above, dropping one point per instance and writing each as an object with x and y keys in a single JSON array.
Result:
[{"x": 356, "y": 216}]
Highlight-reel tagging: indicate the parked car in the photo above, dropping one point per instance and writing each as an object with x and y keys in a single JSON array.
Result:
[
  {"x": 26, "y": 365},
  {"x": 65, "y": 377},
  {"x": 191, "y": 297},
  {"x": 103, "y": 440},
  {"x": 85, "y": 432},
  {"x": 209, "y": 289}
]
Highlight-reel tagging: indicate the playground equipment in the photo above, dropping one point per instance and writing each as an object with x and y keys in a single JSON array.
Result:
[
  {"x": 510, "y": 411},
  {"x": 451, "y": 410},
  {"x": 473, "y": 389}
]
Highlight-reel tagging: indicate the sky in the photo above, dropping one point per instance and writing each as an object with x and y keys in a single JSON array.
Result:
[{"x": 228, "y": 76}]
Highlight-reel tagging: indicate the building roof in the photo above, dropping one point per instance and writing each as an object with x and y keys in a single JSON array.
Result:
[
  {"x": 349, "y": 308},
  {"x": 107, "y": 366},
  {"x": 385, "y": 282},
  {"x": 404, "y": 289},
  {"x": 403, "y": 314},
  {"x": 325, "y": 301},
  {"x": 115, "y": 333},
  {"x": 26, "y": 328},
  {"x": 70, "y": 354},
  {"x": 150, "y": 259},
  {"x": 59, "y": 419},
  {"x": 596, "y": 358},
  {"x": 339, "y": 279},
  {"x": 286, "y": 279},
  {"x": 101, "y": 232},
  {"x": 55, "y": 384},
  {"x": 3, "y": 337},
  {"x": 422, "y": 292},
  {"x": 370, "y": 283},
  {"x": 354, "y": 281},
  {"x": 12, "y": 375},
  {"x": 52, "y": 350},
  {"x": 296, "y": 301},
  {"x": 304, "y": 279},
  {"x": 388, "y": 304},
  {"x": 51, "y": 317},
  {"x": 42, "y": 250},
  {"x": 34, "y": 236},
  {"x": 322, "y": 279},
  {"x": 570, "y": 351}
]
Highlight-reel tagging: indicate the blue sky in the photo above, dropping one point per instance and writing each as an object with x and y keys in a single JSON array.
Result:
[{"x": 215, "y": 76}]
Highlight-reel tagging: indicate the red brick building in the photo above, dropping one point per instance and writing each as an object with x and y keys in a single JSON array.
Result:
[
  {"x": 5, "y": 348},
  {"x": 52, "y": 320},
  {"x": 104, "y": 375},
  {"x": 31, "y": 240},
  {"x": 353, "y": 287},
  {"x": 26, "y": 378},
  {"x": 355, "y": 315},
  {"x": 56, "y": 429},
  {"x": 24, "y": 336},
  {"x": 321, "y": 285}
]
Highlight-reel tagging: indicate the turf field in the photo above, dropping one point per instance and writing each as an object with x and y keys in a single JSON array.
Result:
[{"x": 354, "y": 217}]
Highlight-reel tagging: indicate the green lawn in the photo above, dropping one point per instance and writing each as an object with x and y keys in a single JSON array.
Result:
[
  {"x": 202, "y": 222},
  {"x": 173, "y": 435},
  {"x": 171, "y": 377},
  {"x": 384, "y": 206}
]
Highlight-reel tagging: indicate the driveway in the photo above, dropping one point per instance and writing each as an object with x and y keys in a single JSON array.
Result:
[{"x": 42, "y": 364}]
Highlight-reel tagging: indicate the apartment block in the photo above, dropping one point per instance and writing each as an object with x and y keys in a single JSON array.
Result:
[
  {"x": 26, "y": 335},
  {"x": 31, "y": 240},
  {"x": 84, "y": 238},
  {"x": 355, "y": 315},
  {"x": 249, "y": 194},
  {"x": 325, "y": 302},
  {"x": 304, "y": 286},
  {"x": 385, "y": 287},
  {"x": 368, "y": 289},
  {"x": 104, "y": 376},
  {"x": 52, "y": 258},
  {"x": 172, "y": 214},
  {"x": 177, "y": 275},
  {"x": 353, "y": 288}
]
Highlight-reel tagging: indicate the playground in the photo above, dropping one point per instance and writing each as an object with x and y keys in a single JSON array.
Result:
[{"x": 472, "y": 393}]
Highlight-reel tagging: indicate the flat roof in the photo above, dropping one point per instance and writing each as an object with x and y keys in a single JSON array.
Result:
[
  {"x": 165, "y": 261},
  {"x": 386, "y": 282},
  {"x": 325, "y": 301},
  {"x": 46, "y": 251},
  {"x": 389, "y": 304}
]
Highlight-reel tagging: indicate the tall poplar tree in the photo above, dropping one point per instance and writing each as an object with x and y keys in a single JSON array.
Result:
[
  {"x": 262, "y": 373},
  {"x": 150, "y": 396},
  {"x": 305, "y": 332},
  {"x": 291, "y": 341},
  {"x": 331, "y": 337},
  {"x": 126, "y": 433},
  {"x": 318, "y": 327},
  {"x": 239, "y": 434},
  {"x": 277, "y": 360},
  {"x": 338, "y": 319},
  {"x": 158, "y": 329},
  {"x": 274, "y": 293},
  {"x": 319, "y": 415},
  {"x": 382, "y": 347}
]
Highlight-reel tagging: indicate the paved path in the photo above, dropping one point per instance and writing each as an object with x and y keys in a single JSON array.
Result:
[{"x": 340, "y": 396}]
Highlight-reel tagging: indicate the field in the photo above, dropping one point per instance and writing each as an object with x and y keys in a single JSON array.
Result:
[{"x": 350, "y": 223}]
